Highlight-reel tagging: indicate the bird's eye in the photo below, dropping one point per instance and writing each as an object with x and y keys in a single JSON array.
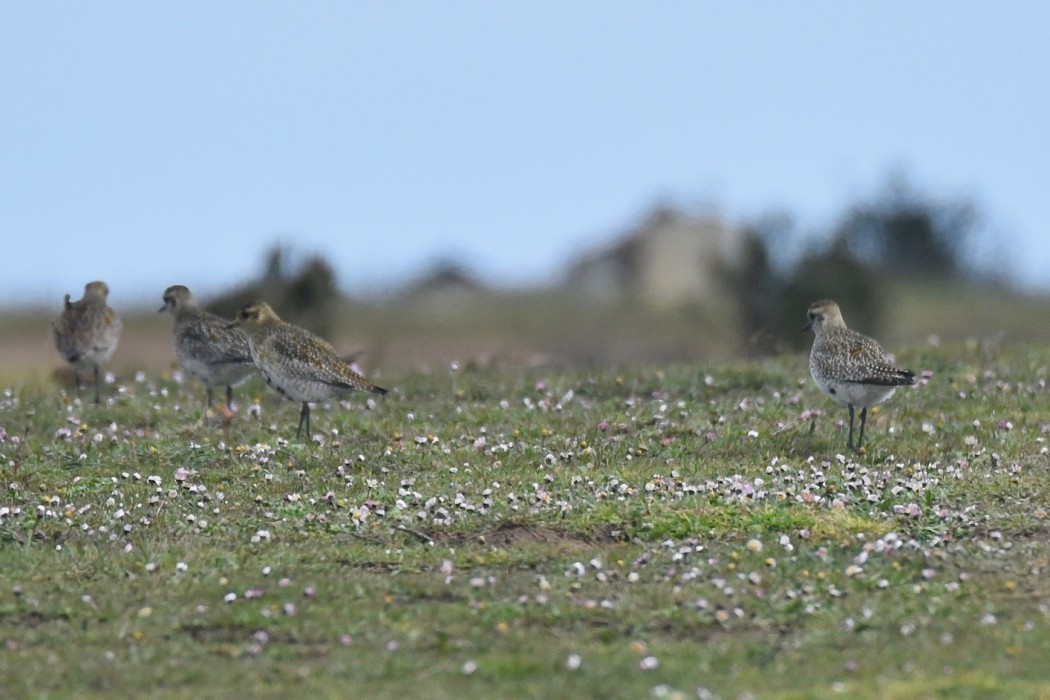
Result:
[{"x": 812, "y": 316}]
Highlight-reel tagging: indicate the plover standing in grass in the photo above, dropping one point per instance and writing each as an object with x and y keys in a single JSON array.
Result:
[
  {"x": 850, "y": 367},
  {"x": 87, "y": 330},
  {"x": 295, "y": 362},
  {"x": 205, "y": 345}
]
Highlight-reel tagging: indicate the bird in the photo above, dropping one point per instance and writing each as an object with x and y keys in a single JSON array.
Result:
[
  {"x": 296, "y": 363},
  {"x": 87, "y": 331},
  {"x": 850, "y": 367},
  {"x": 206, "y": 347}
]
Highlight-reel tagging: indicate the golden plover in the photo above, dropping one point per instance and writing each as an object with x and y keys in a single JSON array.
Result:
[
  {"x": 206, "y": 347},
  {"x": 850, "y": 368},
  {"x": 295, "y": 362},
  {"x": 87, "y": 330}
]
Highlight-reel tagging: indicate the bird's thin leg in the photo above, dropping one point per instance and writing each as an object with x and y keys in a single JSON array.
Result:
[
  {"x": 96, "y": 385},
  {"x": 209, "y": 397},
  {"x": 863, "y": 420},
  {"x": 304, "y": 415},
  {"x": 76, "y": 380},
  {"x": 229, "y": 395},
  {"x": 849, "y": 443}
]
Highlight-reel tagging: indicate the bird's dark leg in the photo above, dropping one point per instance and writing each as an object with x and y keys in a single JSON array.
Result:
[
  {"x": 209, "y": 397},
  {"x": 863, "y": 420},
  {"x": 304, "y": 415},
  {"x": 849, "y": 443},
  {"x": 229, "y": 395},
  {"x": 97, "y": 401},
  {"x": 76, "y": 380}
]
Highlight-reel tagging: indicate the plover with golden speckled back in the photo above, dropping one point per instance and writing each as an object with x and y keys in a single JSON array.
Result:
[
  {"x": 206, "y": 347},
  {"x": 850, "y": 367},
  {"x": 87, "y": 331},
  {"x": 295, "y": 362}
]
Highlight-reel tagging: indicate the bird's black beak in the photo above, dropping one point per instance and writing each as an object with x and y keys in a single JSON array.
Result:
[
  {"x": 162, "y": 309},
  {"x": 232, "y": 324},
  {"x": 808, "y": 326}
]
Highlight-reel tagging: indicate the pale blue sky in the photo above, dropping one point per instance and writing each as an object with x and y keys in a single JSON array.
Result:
[{"x": 149, "y": 144}]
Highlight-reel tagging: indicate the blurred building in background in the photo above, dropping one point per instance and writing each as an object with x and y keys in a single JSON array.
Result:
[
  {"x": 444, "y": 289},
  {"x": 669, "y": 259}
]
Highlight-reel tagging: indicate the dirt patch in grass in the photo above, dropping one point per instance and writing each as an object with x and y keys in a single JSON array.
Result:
[
  {"x": 36, "y": 536},
  {"x": 232, "y": 640},
  {"x": 511, "y": 535},
  {"x": 219, "y": 634},
  {"x": 33, "y": 619},
  {"x": 375, "y": 567}
]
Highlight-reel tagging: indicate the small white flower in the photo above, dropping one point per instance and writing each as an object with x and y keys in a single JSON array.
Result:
[{"x": 649, "y": 663}]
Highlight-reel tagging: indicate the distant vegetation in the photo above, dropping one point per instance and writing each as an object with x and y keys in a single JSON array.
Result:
[
  {"x": 306, "y": 296},
  {"x": 900, "y": 236},
  {"x": 881, "y": 251},
  {"x": 897, "y": 262}
]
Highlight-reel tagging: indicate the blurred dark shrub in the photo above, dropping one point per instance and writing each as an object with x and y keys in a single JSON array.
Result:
[
  {"x": 900, "y": 234},
  {"x": 905, "y": 232},
  {"x": 773, "y": 298},
  {"x": 307, "y": 296},
  {"x": 833, "y": 272}
]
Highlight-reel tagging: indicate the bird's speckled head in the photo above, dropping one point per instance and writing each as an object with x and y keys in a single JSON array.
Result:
[
  {"x": 96, "y": 289},
  {"x": 255, "y": 315},
  {"x": 175, "y": 297},
  {"x": 822, "y": 315}
]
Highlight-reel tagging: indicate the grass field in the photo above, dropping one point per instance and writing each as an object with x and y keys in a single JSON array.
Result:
[{"x": 654, "y": 531}]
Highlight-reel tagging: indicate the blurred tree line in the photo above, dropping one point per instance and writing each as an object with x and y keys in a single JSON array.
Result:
[{"x": 900, "y": 234}]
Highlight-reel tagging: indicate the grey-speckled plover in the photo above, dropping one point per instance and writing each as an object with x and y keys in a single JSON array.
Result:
[
  {"x": 297, "y": 363},
  {"x": 87, "y": 331},
  {"x": 850, "y": 367},
  {"x": 206, "y": 347}
]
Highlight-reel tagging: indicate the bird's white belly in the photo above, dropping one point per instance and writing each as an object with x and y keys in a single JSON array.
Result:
[
  {"x": 196, "y": 368},
  {"x": 298, "y": 389},
  {"x": 859, "y": 395}
]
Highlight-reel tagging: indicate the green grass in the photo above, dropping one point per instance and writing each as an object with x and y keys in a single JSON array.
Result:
[{"x": 679, "y": 529}]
